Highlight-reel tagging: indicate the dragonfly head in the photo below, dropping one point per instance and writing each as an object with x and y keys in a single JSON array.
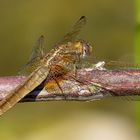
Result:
[{"x": 83, "y": 48}]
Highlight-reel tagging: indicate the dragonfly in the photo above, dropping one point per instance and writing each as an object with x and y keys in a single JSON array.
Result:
[{"x": 63, "y": 58}]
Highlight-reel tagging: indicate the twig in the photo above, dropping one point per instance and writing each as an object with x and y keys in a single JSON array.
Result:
[{"x": 88, "y": 84}]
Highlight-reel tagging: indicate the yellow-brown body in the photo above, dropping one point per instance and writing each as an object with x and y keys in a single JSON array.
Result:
[{"x": 58, "y": 60}]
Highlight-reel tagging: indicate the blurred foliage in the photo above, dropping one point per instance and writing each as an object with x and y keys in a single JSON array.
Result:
[
  {"x": 110, "y": 29},
  {"x": 137, "y": 49},
  {"x": 137, "y": 31}
]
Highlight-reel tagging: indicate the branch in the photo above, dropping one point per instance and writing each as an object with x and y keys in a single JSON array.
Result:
[{"x": 88, "y": 84}]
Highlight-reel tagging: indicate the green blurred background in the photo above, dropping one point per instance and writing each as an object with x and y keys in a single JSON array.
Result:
[{"x": 110, "y": 29}]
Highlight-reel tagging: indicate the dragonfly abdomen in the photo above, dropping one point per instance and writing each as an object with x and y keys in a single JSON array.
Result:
[{"x": 35, "y": 79}]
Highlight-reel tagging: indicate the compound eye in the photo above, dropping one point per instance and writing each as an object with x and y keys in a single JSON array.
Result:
[{"x": 86, "y": 49}]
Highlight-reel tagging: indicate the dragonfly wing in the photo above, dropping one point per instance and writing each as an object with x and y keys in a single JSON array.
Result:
[
  {"x": 71, "y": 35},
  {"x": 38, "y": 49},
  {"x": 36, "y": 55},
  {"x": 120, "y": 65}
]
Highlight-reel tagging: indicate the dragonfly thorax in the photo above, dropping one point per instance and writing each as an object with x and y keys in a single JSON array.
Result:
[{"x": 82, "y": 48}]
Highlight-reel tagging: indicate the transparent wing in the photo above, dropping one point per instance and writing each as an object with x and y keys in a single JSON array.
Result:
[
  {"x": 38, "y": 49},
  {"x": 36, "y": 55},
  {"x": 70, "y": 36},
  {"x": 121, "y": 65}
]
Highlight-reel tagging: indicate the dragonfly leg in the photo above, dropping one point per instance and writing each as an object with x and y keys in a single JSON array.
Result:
[
  {"x": 57, "y": 71},
  {"x": 76, "y": 64},
  {"x": 59, "y": 86},
  {"x": 75, "y": 70}
]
